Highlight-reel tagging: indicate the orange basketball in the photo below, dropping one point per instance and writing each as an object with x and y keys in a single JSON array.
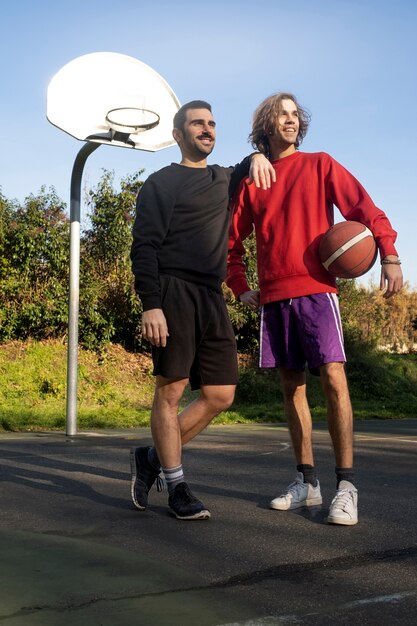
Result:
[{"x": 348, "y": 250}]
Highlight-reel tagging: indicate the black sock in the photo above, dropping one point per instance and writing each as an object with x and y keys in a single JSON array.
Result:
[
  {"x": 344, "y": 473},
  {"x": 309, "y": 474}
]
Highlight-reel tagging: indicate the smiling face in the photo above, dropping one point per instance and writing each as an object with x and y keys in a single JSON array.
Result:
[
  {"x": 198, "y": 136},
  {"x": 287, "y": 126}
]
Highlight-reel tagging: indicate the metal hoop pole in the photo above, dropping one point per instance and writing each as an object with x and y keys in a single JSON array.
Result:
[{"x": 74, "y": 287}]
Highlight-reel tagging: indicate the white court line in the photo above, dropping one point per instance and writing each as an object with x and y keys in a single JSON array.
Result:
[
  {"x": 275, "y": 620},
  {"x": 282, "y": 446},
  {"x": 387, "y": 438},
  {"x": 366, "y": 437}
]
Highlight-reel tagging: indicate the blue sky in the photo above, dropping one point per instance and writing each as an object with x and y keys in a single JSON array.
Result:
[{"x": 350, "y": 62}]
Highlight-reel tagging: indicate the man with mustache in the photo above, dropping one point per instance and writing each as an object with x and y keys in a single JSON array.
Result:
[
  {"x": 300, "y": 321},
  {"x": 178, "y": 257}
]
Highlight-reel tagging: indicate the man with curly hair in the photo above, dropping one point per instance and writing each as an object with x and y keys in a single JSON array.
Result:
[{"x": 300, "y": 320}]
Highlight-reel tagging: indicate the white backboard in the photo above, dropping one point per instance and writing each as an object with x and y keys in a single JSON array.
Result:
[{"x": 82, "y": 93}]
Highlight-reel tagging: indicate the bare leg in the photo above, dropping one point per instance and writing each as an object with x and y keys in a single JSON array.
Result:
[
  {"x": 298, "y": 414},
  {"x": 164, "y": 419},
  {"x": 196, "y": 416},
  {"x": 169, "y": 430},
  {"x": 339, "y": 412}
]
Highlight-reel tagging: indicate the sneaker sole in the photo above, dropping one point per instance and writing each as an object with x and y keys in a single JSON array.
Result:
[
  {"x": 296, "y": 505},
  {"x": 341, "y": 522},
  {"x": 197, "y": 516},
  {"x": 133, "y": 482}
]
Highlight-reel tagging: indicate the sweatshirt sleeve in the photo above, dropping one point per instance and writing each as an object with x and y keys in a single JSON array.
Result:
[
  {"x": 354, "y": 203},
  {"x": 239, "y": 172},
  {"x": 240, "y": 228},
  {"x": 154, "y": 208}
]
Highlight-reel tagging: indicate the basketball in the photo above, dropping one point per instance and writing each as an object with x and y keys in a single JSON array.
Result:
[{"x": 348, "y": 250}]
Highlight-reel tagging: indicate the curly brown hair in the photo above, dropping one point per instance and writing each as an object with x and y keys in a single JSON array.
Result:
[{"x": 264, "y": 120}]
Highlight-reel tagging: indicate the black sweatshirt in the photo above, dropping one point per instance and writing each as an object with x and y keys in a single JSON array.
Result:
[{"x": 181, "y": 227}]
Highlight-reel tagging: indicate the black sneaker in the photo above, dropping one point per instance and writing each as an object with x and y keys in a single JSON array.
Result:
[
  {"x": 186, "y": 506},
  {"x": 143, "y": 477}
]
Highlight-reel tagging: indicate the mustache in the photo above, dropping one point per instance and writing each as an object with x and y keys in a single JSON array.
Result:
[{"x": 205, "y": 135}]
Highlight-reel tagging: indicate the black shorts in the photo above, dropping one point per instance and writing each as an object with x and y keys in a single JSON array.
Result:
[{"x": 201, "y": 345}]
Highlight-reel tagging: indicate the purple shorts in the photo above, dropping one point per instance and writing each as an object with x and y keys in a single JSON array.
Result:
[{"x": 302, "y": 330}]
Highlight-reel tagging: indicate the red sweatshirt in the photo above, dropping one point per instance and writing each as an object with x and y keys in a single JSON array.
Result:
[{"x": 289, "y": 219}]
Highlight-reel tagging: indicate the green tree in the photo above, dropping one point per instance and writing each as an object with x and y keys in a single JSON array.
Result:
[
  {"x": 111, "y": 214},
  {"x": 361, "y": 316},
  {"x": 35, "y": 251},
  {"x": 5, "y": 218},
  {"x": 109, "y": 308},
  {"x": 245, "y": 321}
]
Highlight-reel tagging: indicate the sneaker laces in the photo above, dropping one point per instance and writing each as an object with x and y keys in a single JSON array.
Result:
[
  {"x": 159, "y": 483},
  {"x": 341, "y": 499},
  {"x": 295, "y": 487}
]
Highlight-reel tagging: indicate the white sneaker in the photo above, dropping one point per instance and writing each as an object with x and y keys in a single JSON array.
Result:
[
  {"x": 344, "y": 506},
  {"x": 298, "y": 494}
]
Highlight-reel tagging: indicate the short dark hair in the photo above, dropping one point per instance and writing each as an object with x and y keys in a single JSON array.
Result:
[
  {"x": 181, "y": 114},
  {"x": 264, "y": 120}
]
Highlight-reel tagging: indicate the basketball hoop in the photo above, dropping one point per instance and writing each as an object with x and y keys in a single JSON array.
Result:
[
  {"x": 132, "y": 120},
  {"x": 123, "y": 122}
]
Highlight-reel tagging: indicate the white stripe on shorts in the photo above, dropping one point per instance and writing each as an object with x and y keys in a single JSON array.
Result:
[
  {"x": 261, "y": 336},
  {"x": 334, "y": 305}
]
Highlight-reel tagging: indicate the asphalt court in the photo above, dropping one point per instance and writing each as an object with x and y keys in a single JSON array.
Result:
[{"x": 74, "y": 551}]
